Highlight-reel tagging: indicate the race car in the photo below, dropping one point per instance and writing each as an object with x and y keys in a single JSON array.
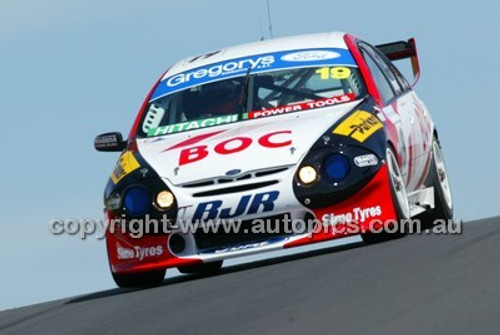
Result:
[{"x": 307, "y": 138}]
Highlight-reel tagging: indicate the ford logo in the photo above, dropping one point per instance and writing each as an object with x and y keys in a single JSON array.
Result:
[
  {"x": 233, "y": 172},
  {"x": 311, "y": 55}
]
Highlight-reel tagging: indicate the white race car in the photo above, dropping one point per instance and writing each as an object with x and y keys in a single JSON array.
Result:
[{"x": 271, "y": 145}]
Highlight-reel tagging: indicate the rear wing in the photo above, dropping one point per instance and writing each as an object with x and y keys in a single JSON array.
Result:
[{"x": 403, "y": 50}]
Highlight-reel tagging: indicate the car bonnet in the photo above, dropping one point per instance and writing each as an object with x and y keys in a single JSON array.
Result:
[{"x": 238, "y": 148}]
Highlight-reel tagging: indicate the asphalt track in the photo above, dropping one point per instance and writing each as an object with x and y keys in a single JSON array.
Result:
[{"x": 425, "y": 284}]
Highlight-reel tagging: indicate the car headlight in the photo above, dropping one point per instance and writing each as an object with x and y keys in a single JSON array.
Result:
[
  {"x": 137, "y": 201},
  {"x": 165, "y": 200},
  {"x": 337, "y": 167},
  {"x": 307, "y": 175}
]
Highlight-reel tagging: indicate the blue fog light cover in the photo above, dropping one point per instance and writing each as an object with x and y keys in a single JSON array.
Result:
[
  {"x": 337, "y": 167},
  {"x": 137, "y": 201}
]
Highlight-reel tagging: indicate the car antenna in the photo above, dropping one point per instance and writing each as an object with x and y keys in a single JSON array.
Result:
[
  {"x": 269, "y": 19},
  {"x": 262, "y": 37}
]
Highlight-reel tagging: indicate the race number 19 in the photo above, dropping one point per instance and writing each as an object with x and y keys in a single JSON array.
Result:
[{"x": 339, "y": 72}]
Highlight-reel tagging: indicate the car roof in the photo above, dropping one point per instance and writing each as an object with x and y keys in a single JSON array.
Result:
[{"x": 321, "y": 40}]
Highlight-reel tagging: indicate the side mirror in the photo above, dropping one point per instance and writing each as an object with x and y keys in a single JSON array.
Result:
[{"x": 110, "y": 142}]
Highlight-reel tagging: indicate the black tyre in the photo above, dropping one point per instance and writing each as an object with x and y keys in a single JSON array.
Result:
[
  {"x": 205, "y": 268},
  {"x": 438, "y": 178},
  {"x": 139, "y": 280},
  {"x": 399, "y": 197}
]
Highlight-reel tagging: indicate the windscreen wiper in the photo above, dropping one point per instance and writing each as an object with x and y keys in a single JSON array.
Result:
[{"x": 244, "y": 92}]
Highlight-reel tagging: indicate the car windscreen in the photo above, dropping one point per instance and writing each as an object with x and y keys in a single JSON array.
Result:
[{"x": 250, "y": 96}]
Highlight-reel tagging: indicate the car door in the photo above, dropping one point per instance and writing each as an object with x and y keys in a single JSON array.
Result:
[
  {"x": 397, "y": 109},
  {"x": 419, "y": 143}
]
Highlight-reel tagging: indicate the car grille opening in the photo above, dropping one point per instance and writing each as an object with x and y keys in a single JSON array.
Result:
[
  {"x": 268, "y": 172},
  {"x": 212, "y": 240},
  {"x": 234, "y": 189},
  {"x": 226, "y": 180}
]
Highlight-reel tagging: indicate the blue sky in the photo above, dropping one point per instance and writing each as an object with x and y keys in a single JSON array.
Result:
[{"x": 72, "y": 69}]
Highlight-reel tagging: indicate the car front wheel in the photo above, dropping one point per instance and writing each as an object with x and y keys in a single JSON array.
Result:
[{"x": 399, "y": 198}]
